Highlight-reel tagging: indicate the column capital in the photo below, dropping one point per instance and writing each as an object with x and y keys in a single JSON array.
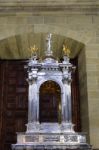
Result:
[
  {"x": 31, "y": 81},
  {"x": 66, "y": 80}
]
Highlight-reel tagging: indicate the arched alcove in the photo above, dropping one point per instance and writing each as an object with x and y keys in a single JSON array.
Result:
[
  {"x": 13, "y": 49},
  {"x": 50, "y": 102}
]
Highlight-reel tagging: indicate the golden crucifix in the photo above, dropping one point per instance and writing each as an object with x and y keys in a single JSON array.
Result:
[
  {"x": 66, "y": 50},
  {"x": 33, "y": 50}
]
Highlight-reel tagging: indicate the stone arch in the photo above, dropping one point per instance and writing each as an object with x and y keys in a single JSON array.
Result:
[{"x": 51, "y": 79}]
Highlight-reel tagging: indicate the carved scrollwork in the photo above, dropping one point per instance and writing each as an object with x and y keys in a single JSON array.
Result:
[{"x": 70, "y": 138}]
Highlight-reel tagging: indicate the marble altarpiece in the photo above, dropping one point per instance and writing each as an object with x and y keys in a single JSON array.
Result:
[{"x": 42, "y": 134}]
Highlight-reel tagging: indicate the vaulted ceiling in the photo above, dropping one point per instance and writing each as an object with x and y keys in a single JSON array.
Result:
[{"x": 17, "y": 47}]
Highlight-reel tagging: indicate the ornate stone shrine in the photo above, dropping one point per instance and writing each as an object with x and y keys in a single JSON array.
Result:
[{"x": 49, "y": 135}]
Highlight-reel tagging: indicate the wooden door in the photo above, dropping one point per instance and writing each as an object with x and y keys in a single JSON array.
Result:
[{"x": 14, "y": 102}]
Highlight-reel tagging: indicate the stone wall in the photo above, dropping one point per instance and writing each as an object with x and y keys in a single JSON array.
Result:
[
  {"x": 92, "y": 64},
  {"x": 80, "y": 27}
]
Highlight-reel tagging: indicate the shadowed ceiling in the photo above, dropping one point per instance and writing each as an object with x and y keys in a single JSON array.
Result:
[{"x": 17, "y": 47}]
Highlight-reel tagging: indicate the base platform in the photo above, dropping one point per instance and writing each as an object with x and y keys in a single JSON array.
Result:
[
  {"x": 50, "y": 147},
  {"x": 49, "y": 136},
  {"x": 51, "y": 141}
]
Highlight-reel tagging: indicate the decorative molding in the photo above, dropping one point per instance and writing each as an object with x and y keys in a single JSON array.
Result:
[
  {"x": 52, "y": 2},
  {"x": 38, "y": 7}
]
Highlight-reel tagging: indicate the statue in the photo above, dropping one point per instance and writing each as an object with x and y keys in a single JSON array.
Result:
[{"x": 48, "y": 40}]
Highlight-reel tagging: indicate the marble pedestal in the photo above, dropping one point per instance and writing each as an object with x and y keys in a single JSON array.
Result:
[{"x": 51, "y": 136}]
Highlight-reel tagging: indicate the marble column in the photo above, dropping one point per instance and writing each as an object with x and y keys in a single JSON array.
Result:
[
  {"x": 33, "y": 102},
  {"x": 66, "y": 102}
]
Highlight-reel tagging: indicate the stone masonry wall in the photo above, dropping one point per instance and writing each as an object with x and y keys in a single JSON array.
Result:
[{"x": 92, "y": 64}]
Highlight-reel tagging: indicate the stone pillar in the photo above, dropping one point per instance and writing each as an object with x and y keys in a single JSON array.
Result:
[
  {"x": 67, "y": 69},
  {"x": 33, "y": 102}
]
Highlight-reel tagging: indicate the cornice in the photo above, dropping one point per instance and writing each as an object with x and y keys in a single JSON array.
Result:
[
  {"x": 47, "y": 2},
  {"x": 49, "y": 6}
]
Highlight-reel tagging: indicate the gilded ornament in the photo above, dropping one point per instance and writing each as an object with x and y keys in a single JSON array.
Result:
[
  {"x": 66, "y": 50},
  {"x": 33, "y": 50}
]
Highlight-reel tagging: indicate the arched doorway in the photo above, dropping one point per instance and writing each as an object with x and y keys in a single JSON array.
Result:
[{"x": 50, "y": 102}]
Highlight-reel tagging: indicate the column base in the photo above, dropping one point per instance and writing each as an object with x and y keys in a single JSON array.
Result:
[
  {"x": 50, "y": 127},
  {"x": 33, "y": 127},
  {"x": 67, "y": 127}
]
